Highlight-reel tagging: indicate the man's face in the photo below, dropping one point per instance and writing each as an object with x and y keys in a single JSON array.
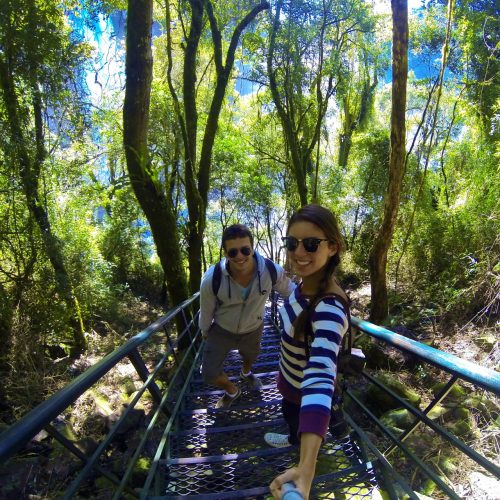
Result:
[{"x": 239, "y": 253}]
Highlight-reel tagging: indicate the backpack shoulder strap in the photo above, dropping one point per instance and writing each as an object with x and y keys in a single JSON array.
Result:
[
  {"x": 346, "y": 345},
  {"x": 272, "y": 270},
  {"x": 216, "y": 278}
]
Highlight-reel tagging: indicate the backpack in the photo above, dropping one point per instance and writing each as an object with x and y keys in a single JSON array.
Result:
[
  {"x": 349, "y": 361},
  {"x": 217, "y": 275}
]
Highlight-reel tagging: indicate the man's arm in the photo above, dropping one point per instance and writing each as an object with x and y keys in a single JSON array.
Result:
[
  {"x": 208, "y": 302},
  {"x": 284, "y": 285}
]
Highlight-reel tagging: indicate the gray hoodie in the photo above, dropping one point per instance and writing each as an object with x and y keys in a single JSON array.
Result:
[{"x": 229, "y": 310}]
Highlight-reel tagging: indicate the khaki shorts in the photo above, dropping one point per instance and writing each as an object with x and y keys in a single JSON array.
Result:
[{"x": 218, "y": 344}]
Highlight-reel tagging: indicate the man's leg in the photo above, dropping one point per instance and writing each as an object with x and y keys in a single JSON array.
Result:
[
  {"x": 222, "y": 382},
  {"x": 249, "y": 349},
  {"x": 217, "y": 346}
]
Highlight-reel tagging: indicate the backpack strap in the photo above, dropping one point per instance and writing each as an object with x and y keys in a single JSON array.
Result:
[
  {"x": 346, "y": 345},
  {"x": 272, "y": 270},
  {"x": 216, "y": 278}
]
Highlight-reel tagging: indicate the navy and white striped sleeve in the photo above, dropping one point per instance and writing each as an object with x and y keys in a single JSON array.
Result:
[{"x": 329, "y": 324}]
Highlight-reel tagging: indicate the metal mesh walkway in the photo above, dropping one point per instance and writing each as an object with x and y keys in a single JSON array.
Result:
[{"x": 221, "y": 453}]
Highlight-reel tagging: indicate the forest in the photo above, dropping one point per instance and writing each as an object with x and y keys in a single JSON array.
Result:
[{"x": 133, "y": 132}]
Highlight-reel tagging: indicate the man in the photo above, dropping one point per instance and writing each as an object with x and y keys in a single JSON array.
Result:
[{"x": 232, "y": 309}]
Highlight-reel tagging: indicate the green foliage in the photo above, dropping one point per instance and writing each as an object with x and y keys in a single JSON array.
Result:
[
  {"x": 126, "y": 244},
  {"x": 449, "y": 255},
  {"x": 361, "y": 191}
]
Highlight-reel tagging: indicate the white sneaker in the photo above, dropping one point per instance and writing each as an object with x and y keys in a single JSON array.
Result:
[{"x": 276, "y": 440}]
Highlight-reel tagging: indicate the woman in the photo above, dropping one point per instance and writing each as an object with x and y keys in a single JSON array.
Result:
[{"x": 315, "y": 319}]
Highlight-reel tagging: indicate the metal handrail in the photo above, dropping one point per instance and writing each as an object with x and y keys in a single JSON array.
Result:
[
  {"x": 19, "y": 434},
  {"x": 479, "y": 375},
  {"x": 14, "y": 438}
]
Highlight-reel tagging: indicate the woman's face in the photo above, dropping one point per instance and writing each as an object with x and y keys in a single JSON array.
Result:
[{"x": 309, "y": 264}]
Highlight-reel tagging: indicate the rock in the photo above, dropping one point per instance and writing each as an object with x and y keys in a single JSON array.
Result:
[
  {"x": 484, "y": 487},
  {"x": 400, "y": 418},
  {"x": 460, "y": 413},
  {"x": 422, "y": 496},
  {"x": 128, "y": 386},
  {"x": 383, "y": 401},
  {"x": 437, "y": 411},
  {"x": 132, "y": 421},
  {"x": 87, "y": 445},
  {"x": 485, "y": 405},
  {"x": 421, "y": 441},
  {"x": 102, "y": 405},
  {"x": 140, "y": 472},
  {"x": 485, "y": 342},
  {"x": 43, "y": 434},
  {"x": 67, "y": 431},
  {"x": 457, "y": 393},
  {"x": 395, "y": 431},
  {"x": 464, "y": 428},
  {"x": 140, "y": 404},
  {"x": 429, "y": 486},
  {"x": 381, "y": 356},
  {"x": 446, "y": 465}
]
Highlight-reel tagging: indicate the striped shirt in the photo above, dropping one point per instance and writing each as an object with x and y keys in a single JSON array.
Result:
[{"x": 311, "y": 383}]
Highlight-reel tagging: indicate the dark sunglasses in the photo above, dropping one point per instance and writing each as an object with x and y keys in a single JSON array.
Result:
[
  {"x": 233, "y": 252},
  {"x": 310, "y": 244}
]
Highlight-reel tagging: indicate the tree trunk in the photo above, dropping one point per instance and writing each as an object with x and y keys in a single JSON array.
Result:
[
  {"x": 300, "y": 141},
  {"x": 30, "y": 175},
  {"x": 6, "y": 314},
  {"x": 379, "y": 251},
  {"x": 156, "y": 204},
  {"x": 352, "y": 121},
  {"x": 198, "y": 183}
]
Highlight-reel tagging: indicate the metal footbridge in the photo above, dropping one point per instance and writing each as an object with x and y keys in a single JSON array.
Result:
[{"x": 193, "y": 450}]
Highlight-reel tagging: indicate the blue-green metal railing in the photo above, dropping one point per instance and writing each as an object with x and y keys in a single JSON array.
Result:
[
  {"x": 458, "y": 368},
  {"x": 183, "y": 361},
  {"x": 19, "y": 434}
]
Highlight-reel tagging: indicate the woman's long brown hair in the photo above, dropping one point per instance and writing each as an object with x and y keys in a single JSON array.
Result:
[{"x": 327, "y": 222}]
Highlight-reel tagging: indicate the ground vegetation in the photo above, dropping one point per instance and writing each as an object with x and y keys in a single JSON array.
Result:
[{"x": 126, "y": 146}]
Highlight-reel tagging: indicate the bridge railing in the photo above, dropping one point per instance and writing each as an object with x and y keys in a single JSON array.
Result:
[
  {"x": 180, "y": 361},
  {"x": 181, "y": 335},
  {"x": 455, "y": 370}
]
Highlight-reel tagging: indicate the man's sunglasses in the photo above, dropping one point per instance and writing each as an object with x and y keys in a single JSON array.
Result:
[
  {"x": 233, "y": 252},
  {"x": 310, "y": 244}
]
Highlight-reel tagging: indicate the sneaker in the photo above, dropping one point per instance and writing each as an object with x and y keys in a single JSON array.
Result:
[
  {"x": 226, "y": 400},
  {"x": 276, "y": 440},
  {"x": 252, "y": 381}
]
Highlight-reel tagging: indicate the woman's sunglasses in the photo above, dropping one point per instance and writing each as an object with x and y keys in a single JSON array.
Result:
[
  {"x": 233, "y": 252},
  {"x": 310, "y": 244}
]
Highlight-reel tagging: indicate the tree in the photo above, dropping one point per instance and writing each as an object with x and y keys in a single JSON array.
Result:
[
  {"x": 37, "y": 56},
  {"x": 154, "y": 199},
  {"x": 356, "y": 93},
  {"x": 197, "y": 168},
  {"x": 305, "y": 63},
  {"x": 378, "y": 254}
]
